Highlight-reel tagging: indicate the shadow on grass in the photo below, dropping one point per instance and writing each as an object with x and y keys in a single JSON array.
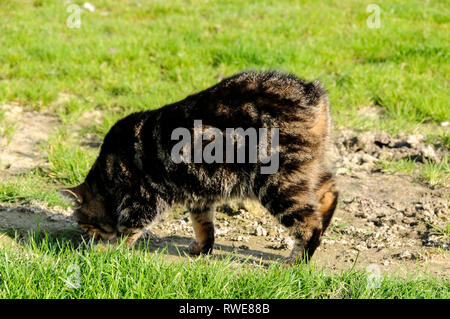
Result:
[
  {"x": 25, "y": 224},
  {"x": 178, "y": 246}
]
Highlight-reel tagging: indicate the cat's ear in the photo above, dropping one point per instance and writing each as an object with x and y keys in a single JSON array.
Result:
[{"x": 76, "y": 194}]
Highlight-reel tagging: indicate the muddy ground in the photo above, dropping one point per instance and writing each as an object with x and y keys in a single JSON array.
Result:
[{"x": 383, "y": 219}]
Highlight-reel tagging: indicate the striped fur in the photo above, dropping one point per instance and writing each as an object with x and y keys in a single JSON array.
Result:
[{"x": 134, "y": 179}]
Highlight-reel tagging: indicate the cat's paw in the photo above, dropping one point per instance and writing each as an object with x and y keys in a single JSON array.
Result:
[
  {"x": 288, "y": 261},
  {"x": 196, "y": 249},
  {"x": 292, "y": 260}
]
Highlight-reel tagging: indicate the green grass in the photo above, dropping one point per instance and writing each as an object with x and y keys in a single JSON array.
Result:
[
  {"x": 35, "y": 185},
  {"x": 68, "y": 164},
  {"x": 132, "y": 55},
  {"x": 430, "y": 172},
  {"x": 68, "y": 160},
  {"x": 6, "y": 129},
  {"x": 137, "y": 55},
  {"x": 440, "y": 139},
  {"x": 442, "y": 232},
  {"x": 47, "y": 268}
]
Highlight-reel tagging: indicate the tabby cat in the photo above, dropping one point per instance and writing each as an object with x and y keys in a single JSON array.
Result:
[{"x": 135, "y": 177}]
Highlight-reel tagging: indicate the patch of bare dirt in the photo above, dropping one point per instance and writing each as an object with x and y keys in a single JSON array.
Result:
[
  {"x": 20, "y": 151},
  {"x": 21, "y": 221},
  {"x": 361, "y": 151},
  {"x": 383, "y": 219}
]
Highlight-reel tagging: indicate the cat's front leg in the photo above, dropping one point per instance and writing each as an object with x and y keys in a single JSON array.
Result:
[
  {"x": 137, "y": 215},
  {"x": 203, "y": 224},
  {"x": 130, "y": 226},
  {"x": 130, "y": 234}
]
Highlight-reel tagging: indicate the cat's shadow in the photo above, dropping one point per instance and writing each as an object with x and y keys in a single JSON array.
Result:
[
  {"x": 20, "y": 223},
  {"x": 178, "y": 246}
]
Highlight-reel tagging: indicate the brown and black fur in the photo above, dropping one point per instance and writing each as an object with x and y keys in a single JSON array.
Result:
[{"x": 134, "y": 179}]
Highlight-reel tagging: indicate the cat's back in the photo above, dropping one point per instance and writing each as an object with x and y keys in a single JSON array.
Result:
[
  {"x": 272, "y": 85},
  {"x": 251, "y": 98}
]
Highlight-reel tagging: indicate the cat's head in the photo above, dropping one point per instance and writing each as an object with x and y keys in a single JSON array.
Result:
[{"x": 92, "y": 212}]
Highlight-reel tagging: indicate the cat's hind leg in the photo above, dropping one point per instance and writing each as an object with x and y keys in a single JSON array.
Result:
[
  {"x": 304, "y": 209},
  {"x": 328, "y": 196},
  {"x": 292, "y": 199},
  {"x": 203, "y": 224}
]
